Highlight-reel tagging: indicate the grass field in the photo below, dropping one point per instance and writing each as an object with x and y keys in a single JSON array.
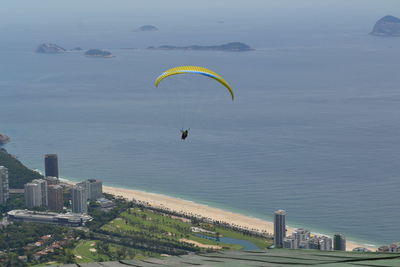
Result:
[
  {"x": 83, "y": 252},
  {"x": 163, "y": 226}
]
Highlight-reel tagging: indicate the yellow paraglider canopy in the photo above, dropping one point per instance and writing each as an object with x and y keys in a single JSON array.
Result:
[{"x": 198, "y": 70}]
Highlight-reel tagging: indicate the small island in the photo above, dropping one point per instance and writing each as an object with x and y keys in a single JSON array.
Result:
[
  {"x": 76, "y": 49},
  {"x": 4, "y": 139},
  {"x": 387, "y": 26},
  {"x": 230, "y": 47},
  {"x": 98, "y": 53},
  {"x": 49, "y": 48},
  {"x": 147, "y": 28}
]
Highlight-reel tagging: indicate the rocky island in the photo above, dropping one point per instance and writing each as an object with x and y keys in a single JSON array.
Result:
[
  {"x": 98, "y": 53},
  {"x": 387, "y": 26},
  {"x": 147, "y": 28},
  {"x": 76, "y": 49},
  {"x": 49, "y": 48},
  {"x": 4, "y": 139},
  {"x": 231, "y": 47}
]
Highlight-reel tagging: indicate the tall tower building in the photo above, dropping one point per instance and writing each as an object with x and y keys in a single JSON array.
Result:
[
  {"x": 51, "y": 165},
  {"x": 36, "y": 193},
  {"x": 33, "y": 197},
  {"x": 93, "y": 187},
  {"x": 279, "y": 228},
  {"x": 79, "y": 199},
  {"x": 43, "y": 191},
  {"x": 56, "y": 197},
  {"x": 4, "y": 190},
  {"x": 339, "y": 242}
]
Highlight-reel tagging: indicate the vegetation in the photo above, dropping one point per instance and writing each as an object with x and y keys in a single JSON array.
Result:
[
  {"x": 144, "y": 224},
  {"x": 16, "y": 201},
  {"x": 18, "y": 174}
]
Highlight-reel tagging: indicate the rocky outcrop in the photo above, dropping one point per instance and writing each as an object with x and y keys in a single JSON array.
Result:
[
  {"x": 98, "y": 53},
  {"x": 49, "y": 48},
  {"x": 387, "y": 26},
  {"x": 4, "y": 139},
  {"x": 147, "y": 28},
  {"x": 232, "y": 47}
]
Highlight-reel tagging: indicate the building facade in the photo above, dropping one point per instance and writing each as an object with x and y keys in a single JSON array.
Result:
[
  {"x": 93, "y": 187},
  {"x": 36, "y": 193},
  {"x": 325, "y": 243},
  {"x": 339, "y": 242},
  {"x": 55, "y": 197},
  {"x": 279, "y": 228},
  {"x": 32, "y": 194},
  {"x": 51, "y": 165},
  {"x": 4, "y": 189},
  {"x": 79, "y": 199}
]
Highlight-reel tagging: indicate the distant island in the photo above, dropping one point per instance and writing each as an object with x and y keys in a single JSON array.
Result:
[
  {"x": 387, "y": 26},
  {"x": 98, "y": 53},
  {"x": 233, "y": 47},
  {"x": 147, "y": 28},
  {"x": 49, "y": 48},
  {"x": 4, "y": 139},
  {"x": 76, "y": 49}
]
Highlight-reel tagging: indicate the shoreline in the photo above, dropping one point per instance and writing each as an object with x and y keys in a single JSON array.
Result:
[{"x": 189, "y": 207}]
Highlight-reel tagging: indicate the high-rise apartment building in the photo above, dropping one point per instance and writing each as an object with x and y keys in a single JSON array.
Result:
[
  {"x": 93, "y": 187},
  {"x": 325, "y": 243},
  {"x": 51, "y": 165},
  {"x": 36, "y": 193},
  {"x": 79, "y": 199},
  {"x": 56, "y": 197},
  {"x": 339, "y": 242},
  {"x": 33, "y": 198},
  {"x": 4, "y": 189},
  {"x": 279, "y": 228}
]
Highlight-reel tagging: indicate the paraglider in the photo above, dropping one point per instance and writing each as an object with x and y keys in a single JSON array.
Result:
[
  {"x": 184, "y": 133},
  {"x": 194, "y": 70}
]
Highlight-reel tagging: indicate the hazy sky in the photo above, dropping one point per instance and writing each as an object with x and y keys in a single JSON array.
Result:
[{"x": 62, "y": 11}]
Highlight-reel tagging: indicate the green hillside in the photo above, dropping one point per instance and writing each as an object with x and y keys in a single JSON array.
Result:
[{"x": 18, "y": 174}]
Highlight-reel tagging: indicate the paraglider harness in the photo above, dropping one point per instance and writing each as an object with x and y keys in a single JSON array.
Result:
[{"x": 185, "y": 134}]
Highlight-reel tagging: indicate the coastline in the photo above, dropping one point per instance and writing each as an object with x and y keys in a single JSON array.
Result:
[{"x": 189, "y": 207}]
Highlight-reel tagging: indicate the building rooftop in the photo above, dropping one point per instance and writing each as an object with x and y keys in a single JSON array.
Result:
[
  {"x": 49, "y": 215},
  {"x": 280, "y": 212}
]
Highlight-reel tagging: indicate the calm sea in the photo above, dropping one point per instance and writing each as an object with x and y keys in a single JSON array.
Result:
[{"x": 314, "y": 128}]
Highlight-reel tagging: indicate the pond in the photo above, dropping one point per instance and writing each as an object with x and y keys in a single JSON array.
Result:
[{"x": 247, "y": 245}]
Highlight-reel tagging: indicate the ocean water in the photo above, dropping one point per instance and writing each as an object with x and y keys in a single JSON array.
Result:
[{"x": 314, "y": 128}]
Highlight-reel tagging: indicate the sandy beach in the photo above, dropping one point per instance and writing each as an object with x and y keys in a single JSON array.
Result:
[{"x": 190, "y": 207}]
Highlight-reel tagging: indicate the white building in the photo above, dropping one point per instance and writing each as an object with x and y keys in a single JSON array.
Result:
[
  {"x": 36, "y": 193},
  {"x": 93, "y": 187},
  {"x": 79, "y": 199},
  {"x": 301, "y": 236},
  {"x": 4, "y": 189},
  {"x": 70, "y": 219},
  {"x": 325, "y": 243},
  {"x": 302, "y": 239},
  {"x": 289, "y": 242}
]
